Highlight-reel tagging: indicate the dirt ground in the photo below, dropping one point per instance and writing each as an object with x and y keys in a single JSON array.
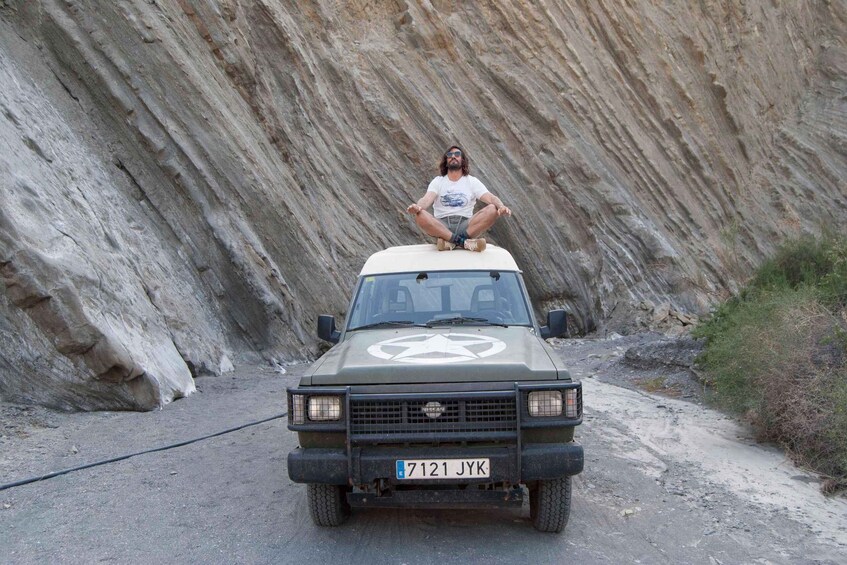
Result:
[{"x": 667, "y": 480}]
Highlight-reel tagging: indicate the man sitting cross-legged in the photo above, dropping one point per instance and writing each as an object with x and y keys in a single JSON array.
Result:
[{"x": 453, "y": 196}]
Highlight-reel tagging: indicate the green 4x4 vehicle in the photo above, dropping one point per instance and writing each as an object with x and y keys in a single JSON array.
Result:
[{"x": 440, "y": 392}]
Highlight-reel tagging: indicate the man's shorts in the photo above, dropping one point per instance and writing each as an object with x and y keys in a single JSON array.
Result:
[{"x": 456, "y": 224}]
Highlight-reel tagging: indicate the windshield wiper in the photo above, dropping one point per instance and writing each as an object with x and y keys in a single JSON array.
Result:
[
  {"x": 386, "y": 323},
  {"x": 464, "y": 320}
]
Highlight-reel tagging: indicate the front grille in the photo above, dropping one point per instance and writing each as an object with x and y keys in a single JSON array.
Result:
[{"x": 435, "y": 418}]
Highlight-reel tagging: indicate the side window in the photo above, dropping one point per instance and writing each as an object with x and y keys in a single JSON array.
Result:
[
  {"x": 510, "y": 301},
  {"x": 359, "y": 314},
  {"x": 483, "y": 298},
  {"x": 426, "y": 298},
  {"x": 400, "y": 300},
  {"x": 460, "y": 294}
]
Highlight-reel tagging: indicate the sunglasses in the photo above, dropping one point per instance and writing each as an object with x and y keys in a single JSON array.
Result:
[{"x": 456, "y": 153}]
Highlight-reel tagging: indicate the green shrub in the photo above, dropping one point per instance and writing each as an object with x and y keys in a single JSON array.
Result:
[
  {"x": 744, "y": 343},
  {"x": 818, "y": 263},
  {"x": 804, "y": 261},
  {"x": 777, "y": 353},
  {"x": 833, "y": 287},
  {"x": 836, "y": 435}
]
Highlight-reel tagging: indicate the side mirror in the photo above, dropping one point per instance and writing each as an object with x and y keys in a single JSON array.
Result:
[
  {"x": 557, "y": 324},
  {"x": 326, "y": 329}
]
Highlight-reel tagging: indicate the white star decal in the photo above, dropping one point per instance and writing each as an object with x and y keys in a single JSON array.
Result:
[{"x": 439, "y": 348}]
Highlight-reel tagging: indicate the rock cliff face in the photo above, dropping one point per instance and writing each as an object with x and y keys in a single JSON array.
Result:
[{"x": 185, "y": 184}]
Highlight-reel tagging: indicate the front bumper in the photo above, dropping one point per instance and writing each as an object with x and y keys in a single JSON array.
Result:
[{"x": 536, "y": 461}]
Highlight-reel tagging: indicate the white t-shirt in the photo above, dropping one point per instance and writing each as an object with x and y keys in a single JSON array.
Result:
[{"x": 456, "y": 198}]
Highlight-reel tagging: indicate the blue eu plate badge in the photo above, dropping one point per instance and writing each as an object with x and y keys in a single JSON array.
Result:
[{"x": 401, "y": 469}]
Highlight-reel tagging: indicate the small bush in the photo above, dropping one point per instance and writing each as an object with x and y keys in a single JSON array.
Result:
[
  {"x": 801, "y": 262},
  {"x": 833, "y": 286},
  {"x": 777, "y": 354},
  {"x": 807, "y": 262}
]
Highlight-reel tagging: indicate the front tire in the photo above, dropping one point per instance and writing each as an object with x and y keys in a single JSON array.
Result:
[
  {"x": 328, "y": 504},
  {"x": 550, "y": 504}
]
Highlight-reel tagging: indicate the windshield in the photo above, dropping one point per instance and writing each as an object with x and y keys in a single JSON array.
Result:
[{"x": 434, "y": 298}]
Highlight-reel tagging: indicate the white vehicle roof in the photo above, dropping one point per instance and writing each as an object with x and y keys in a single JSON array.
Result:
[{"x": 426, "y": 257}]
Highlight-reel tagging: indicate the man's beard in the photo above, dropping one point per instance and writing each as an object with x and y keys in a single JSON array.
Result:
[{"x": 453, "y": 165}]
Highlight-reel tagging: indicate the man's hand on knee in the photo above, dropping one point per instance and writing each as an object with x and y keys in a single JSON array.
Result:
[{"x": 414, "y": 209}]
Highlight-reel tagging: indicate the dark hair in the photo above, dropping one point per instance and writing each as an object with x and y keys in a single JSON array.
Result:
[{"x": 465, "y": 161}]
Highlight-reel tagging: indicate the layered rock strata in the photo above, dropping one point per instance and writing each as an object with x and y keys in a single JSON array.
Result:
[{"x": 185, "y": 184}]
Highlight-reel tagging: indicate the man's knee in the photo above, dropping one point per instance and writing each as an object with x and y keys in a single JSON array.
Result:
[
  {"x": 488, "y": 215},
  {"x": 423, "y": 218}
]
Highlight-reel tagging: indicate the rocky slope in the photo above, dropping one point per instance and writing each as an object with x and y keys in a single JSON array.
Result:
[{"x": 185, "y": 184}]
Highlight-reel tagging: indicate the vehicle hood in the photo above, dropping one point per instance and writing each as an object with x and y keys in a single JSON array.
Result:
[{"x": 437, "y": 355}]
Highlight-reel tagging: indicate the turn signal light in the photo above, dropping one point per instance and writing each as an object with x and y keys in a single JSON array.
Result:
[
  {"x": 571, "y": 407},
  {"x": 298, "y": 409}
]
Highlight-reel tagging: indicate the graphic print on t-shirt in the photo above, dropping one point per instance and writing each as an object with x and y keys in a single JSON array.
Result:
[{"x": 454, "y": 200}]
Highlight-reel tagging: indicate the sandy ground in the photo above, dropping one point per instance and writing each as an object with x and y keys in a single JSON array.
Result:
[
  {"x": 719, "y": 448},
  {"x": 666, "y": 481}
]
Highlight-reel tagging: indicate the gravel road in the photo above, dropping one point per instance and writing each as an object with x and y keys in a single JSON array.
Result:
[{"x": 666, "y": 481}]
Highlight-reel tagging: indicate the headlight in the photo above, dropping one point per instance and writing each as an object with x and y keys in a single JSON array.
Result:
[
  {"x": 545, "y": 403},
  {"x": 324, "y": 408}
]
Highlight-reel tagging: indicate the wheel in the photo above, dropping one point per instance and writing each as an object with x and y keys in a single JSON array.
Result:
[
  {"x": 533, "y": 502},
  {"x": 328, "y": 504},
  {"x": 550, "y": 504}
]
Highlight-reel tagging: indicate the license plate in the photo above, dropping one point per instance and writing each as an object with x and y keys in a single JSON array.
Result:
[{"x": 443, "y": 469}]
